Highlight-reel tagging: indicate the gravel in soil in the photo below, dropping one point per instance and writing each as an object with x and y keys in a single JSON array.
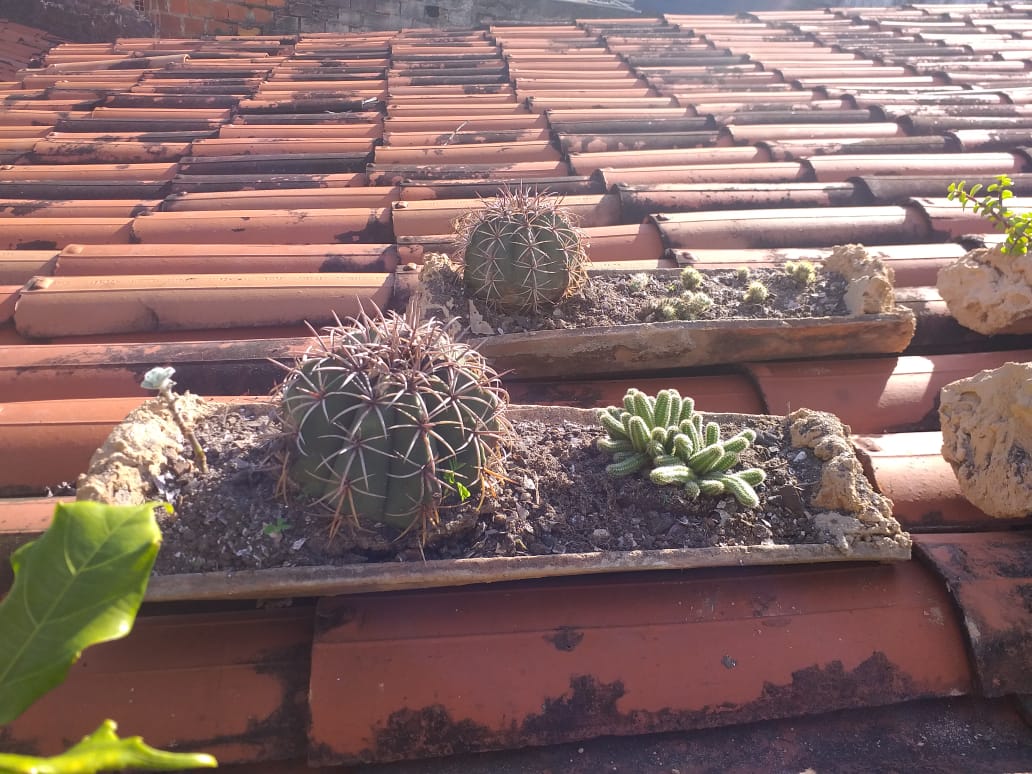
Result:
[
  {"x": 556, "y": 498},
  {"x": 623, "y": 298}
]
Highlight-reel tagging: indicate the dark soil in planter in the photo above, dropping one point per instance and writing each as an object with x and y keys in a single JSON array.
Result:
[
  {"x": 623, "y": 298},
  {"x": 557, "y": 499}
]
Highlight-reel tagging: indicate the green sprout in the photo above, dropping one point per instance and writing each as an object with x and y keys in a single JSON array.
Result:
[
  {"x": 160, "y": 379},
  {"x": 276, "y": 528},
  {"x": 803, "y": 272},
  {"x": 666, "y": 435},
  {"x": 756, "y": 293},
  {"x": 462, "y": 490},
  {"x": 992, "y": 206}
]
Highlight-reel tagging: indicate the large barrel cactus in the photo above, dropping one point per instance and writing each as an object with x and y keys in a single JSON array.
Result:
[
  {"x": 391, "y": 421},
  {"x": 521, "y": 253}
]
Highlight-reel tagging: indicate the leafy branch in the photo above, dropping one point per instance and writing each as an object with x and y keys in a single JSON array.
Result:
[
  {"x": 78, "y": 585},
  {"x": 993, "y": 206}
]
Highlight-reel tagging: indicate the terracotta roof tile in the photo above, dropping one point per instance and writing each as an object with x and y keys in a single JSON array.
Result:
[
  {"x": 804, "y": 626},
  {"x": 58, "y": 306},
  {"x": 320, "y": 162}
]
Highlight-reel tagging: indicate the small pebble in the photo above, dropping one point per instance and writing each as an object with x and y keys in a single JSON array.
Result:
[{"x": 799, "y": 457}]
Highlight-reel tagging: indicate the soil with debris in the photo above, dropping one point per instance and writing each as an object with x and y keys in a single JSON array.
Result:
[
  {"x": 557, "y": 499},
  {"x": 623, "y": 298}
]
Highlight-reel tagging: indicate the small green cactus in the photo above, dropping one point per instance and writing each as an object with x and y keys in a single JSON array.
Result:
[
  {"x": 665, "y": 434},
  {"x": 742, "y": 273},
  {"x": 803, "y": 272},
  {"x": 691, "y": 278},
  {"x": 638, "y": 282},
  {"x": 666, "y": 311},
  {"x": 691, "y": 306},
  {"x": 390, "y": 419},
  {"x": 521, "y": 253},
  {"x": 756, "y": 293}
]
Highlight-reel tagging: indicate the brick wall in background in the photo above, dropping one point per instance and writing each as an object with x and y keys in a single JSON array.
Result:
[
  {"x": 193, "y": 18},
  {"x": 80, "y": 21},
  {"x": 174, "y": 18}
]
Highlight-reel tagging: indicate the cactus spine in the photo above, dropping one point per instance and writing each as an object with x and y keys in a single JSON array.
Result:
[
  {"x": 667, "y": 435},
  {"x": 521, "y": 253},
  {"x": 392, "y": 419}
]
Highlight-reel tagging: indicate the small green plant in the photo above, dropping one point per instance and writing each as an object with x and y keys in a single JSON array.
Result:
[
  {"x": 993, "y": 207},
  {"x": 455, "y": 483},
  {"x": 756, "y": 293},
  {"x": 389, "y": 417},
  {"x": 691, "y": 278},
  {"x": 666, "y": 435},
  {"x": 742, "y": 273},
  {"x": 691, "y": 306},
  {"x": 802, "y": 272},
  {"x": 79, "y": 584},
  {"x": 637, "y": 282},
  {"x": 522, "y": 253},
  {"x": 160, "y": 379},
  {"x": 276, "y": 528}
]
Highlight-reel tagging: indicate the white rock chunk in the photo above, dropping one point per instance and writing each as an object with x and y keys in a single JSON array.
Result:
[
  {"x": 987, "y": 438},
  {"x": 870, "y": 289},
  {"x": 989, "y": 291}
]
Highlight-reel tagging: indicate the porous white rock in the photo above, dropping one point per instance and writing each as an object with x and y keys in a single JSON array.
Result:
[
  {"x": 987, "y": 438},
  {"x": 989, "y": 291},
  {"x": 135, "y": 460},
  {"x": 870, "y": 289},
  {"x": 850, "y": 510}
]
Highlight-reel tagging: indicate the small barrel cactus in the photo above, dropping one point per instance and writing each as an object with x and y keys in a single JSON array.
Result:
[
  {"x": 521, "y": 253},
  {"x": 391, "y": 419}
]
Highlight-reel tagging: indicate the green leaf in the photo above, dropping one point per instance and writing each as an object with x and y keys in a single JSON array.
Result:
[
  {"x": 104, "y": 751},
  {"x": 79, "y": 584}
]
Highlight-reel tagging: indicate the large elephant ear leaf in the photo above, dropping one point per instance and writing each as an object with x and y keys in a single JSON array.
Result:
[
  {"x": 79, "y": 584},
  {"x": 104, "y": 751}
]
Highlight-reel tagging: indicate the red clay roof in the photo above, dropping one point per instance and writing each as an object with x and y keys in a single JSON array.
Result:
[{"x": 212, "y": 178}]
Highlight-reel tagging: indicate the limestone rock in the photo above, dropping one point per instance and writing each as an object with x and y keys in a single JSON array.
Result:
[
  {"x": 134, "y": 464},
  {"x": 987, "y": 438},
  {"x": 870, "y": 289},
  {"x": 989, "y": 291},
  {"x": 851, "y": 510}
]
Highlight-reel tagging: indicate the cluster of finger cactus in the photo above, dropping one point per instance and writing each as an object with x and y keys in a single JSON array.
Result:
[
  {"x": 521, "y": 253},
  {"x": 665, "y": 435},
  {"x": 391, "y": 420}
]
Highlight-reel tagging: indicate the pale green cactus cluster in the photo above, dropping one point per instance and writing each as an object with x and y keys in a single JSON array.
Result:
[{"x": 665, "y": 434}]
